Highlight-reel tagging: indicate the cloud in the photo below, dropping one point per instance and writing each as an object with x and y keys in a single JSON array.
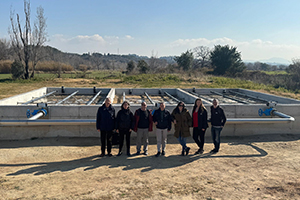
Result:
[
  {"x": 129, "y": 37},
  {"x": 251, "y": 50},
  {"x": 87, "y": 43}
]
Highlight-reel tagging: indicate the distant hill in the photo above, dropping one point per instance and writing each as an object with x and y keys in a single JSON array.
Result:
[
  {"x": 98, "y": 60},
  {"x": 272, "y": 61}
]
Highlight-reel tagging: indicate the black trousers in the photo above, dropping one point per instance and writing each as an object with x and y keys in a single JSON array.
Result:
[
  {"x": 199, "y": 133},
  {"x": 122, "y": 134},
  {"x": 106, "y": 136}
]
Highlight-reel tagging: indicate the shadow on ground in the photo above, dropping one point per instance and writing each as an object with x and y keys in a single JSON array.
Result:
[{"x": 145, "y": 163}]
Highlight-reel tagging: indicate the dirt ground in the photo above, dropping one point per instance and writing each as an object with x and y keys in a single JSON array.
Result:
[{"x": 256, "y": 167}]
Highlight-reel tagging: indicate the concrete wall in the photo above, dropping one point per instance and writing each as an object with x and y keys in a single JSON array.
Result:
[
  {"x": 22, "y": 98},
  {"x": 89, "y": 112}
]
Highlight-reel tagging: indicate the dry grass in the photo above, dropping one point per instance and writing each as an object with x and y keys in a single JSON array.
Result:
[{"x": 11, "y": 88}]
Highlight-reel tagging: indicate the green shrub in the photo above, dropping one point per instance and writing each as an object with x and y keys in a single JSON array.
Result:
[{"x": 17, "y": 69}]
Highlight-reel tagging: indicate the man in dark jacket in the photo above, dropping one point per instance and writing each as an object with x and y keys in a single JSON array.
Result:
[
  {"x": 143, "y": 125},
  {"x": 218, "y": 120},
  {"x": 162, "y": 119},
  {"x": 105, "y": 125}
]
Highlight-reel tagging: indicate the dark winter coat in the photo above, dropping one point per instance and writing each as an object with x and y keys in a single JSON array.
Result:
[
  {"x": 125, "y": 120},
  {"x": 183, "y": 122},
  {"x": 165, "y": 122},
  {"x": 218, "y": 117},
  {"x": 202, "y": 119},
  {"x": 105, "y": 118},
  {"x": 137, "y": 118}
]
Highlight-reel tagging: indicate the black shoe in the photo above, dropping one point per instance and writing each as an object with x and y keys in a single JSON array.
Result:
[
  {"x": 120, "y": 153},
  {"x": 145, "y": 153},
  {"x": 158, "y": 153},
  {"x": 182, "y": 153},
  {"x": 187, "y": 150},
  {"x": 102, "y": 155},
  {"x": 138, "y": 153},
  {"x": 128, "y": 154},
  {"x": 213, "y": 151},
  {"x": 109, "y": 155},
  {"x": 201, "y": 151},
  {"x": 163, "y": 153}
]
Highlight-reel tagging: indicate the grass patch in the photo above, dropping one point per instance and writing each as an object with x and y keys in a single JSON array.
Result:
[{"x": 153, "y": 80}]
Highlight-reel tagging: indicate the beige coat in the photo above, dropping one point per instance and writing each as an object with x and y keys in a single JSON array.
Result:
[{"x": 183, "y": 123}]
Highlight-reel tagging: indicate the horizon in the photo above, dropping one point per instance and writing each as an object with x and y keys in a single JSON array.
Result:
[{"x": 259, "y": 30}]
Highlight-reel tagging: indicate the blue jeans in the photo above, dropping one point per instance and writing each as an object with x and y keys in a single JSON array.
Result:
[
  {"x": 182, "y": 141},
  {"x": 215, "y": 134}
]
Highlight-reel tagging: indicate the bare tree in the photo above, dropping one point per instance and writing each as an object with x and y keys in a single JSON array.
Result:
[
  {"x": 27, "y": 42},
  {"x": 153, "y": 62},
  {"x": 201, "y": 54}
]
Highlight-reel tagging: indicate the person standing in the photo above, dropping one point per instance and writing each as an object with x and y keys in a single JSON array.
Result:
[
  {"x": 199, "y": 124},
  {"x": 105, "y": 124},
  {"x": 182, "y": 121},
  {"x": 124, "y": 126},
  {"x": 143, "y": 125},
  {"x": 218, "y": 120},
  {"x": 162, "y": 119}
]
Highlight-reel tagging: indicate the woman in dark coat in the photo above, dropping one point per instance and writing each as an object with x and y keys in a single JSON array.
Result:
[
  {"x": 182, "y": 121},
  {"x": 199, "y": 124},
  {"x": 124, "y": 125}
]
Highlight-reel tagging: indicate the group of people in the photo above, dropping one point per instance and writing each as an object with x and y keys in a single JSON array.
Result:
[{"x": 142, "y": 123}]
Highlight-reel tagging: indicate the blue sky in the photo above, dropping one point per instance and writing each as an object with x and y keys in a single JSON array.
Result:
[{"x": 259, "y": 29}]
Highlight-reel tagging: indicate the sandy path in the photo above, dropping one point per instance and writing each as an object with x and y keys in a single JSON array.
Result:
[{"x": 257, "y": 167}]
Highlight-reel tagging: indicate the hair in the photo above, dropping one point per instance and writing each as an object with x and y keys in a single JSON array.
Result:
[
  {"x": 177, "y": 107},
  {"x": 124, "y": 103},
  {"x": 201, "y": 106}
]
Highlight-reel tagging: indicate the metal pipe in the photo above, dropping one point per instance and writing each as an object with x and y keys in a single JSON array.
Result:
[
  {"x": 41, "y": 113},
  {"x": 93, "y": 99},
  {"x": 250, "y": 96},
  {"x": 48, "y": 122},
  {"x": 65, "y": 122},
  {"x": 257, "y": 120},
  {"x": 282, "y": 115},
  {"x": 67, "y": 97},
  {"x": 38, "y": 115},
  {"x": 124, "y": 96},
  {"x": 204, "y": 99},
  {"x": 149, "y": 98},
  {"x": 228, "y": 97},
  {"x": 38, "y": 98},
  {"x": 175, "y": 99}
]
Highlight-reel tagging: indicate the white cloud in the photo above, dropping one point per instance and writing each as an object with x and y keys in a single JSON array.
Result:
[
  {"x": 251, "y": 50},
  {"x": 129, "y": 37},
  {"x": 87, "y": 43}
]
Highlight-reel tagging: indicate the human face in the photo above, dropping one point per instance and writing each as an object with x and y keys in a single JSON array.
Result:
[
  {"x": 180, "y": 107},
  {"x": 215, "y": 103},
  {"x": 162, "y": 106},
  {"x": 144, "y": 106},
  {"x": 125, "y": 106},
  {"x": 199, "y": 102},
  {"x": 107, "y": 102}
]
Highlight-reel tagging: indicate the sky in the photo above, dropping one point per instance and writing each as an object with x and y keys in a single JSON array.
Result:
[{"x": 259, "y": 29}]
